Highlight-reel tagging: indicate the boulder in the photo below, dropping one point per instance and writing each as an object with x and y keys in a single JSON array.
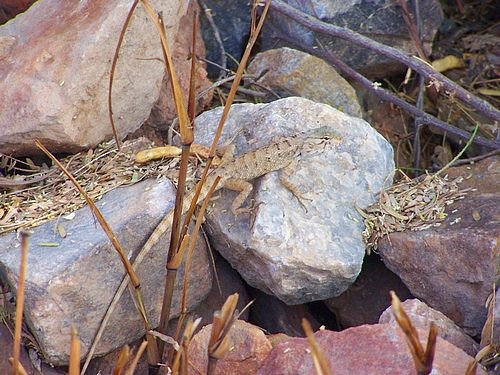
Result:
[
  {"x": 368, "y": 349},
  {"x": 54, "y": 73},
  {"x": 299, "y": 253},
  {"x": 71, "y": 280},
  {"x": 289, "y": 72},
  {"x": 450, "y": 267}
]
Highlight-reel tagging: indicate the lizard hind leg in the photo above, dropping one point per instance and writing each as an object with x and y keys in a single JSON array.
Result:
[{"x": 244, "y": 188}]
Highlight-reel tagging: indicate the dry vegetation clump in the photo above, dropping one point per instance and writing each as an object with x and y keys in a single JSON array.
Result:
[{"x": 412, "y": 204}]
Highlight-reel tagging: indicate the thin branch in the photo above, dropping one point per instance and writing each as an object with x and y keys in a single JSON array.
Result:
[
  {"x": 414, "y": 63},
  {"x": 217, "y": 37},
  {"x": 387, "y": 96}
]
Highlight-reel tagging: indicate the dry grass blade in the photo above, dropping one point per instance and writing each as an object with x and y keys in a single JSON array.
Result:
[
  {"x": 489, "y": 355},
  {"x": 192, "y": 75},
  {"x": 113, "y": 68},
  {"x": 412, "y": 30},
  {"x": 19, "y": 368},
  {"x": 219, "y": 343},
  {"x": 128, "y": 267},
  {"x": 180, "y": 107},
  {"x": 187, "y": 138},
  {"x": 137, "y": 356},
  {"x": 319, "y": 359},
  {"x": 74, "y": 356},
  {"x": 192, "y": 242},
  {"x": 254, "y": 33},
  {"x": 122, "y": 360},
  {"x": 181, "y": 361},
  {"x": 471, "y": 368},
  {"x": 16, "y": 350},
  {"x": 421, "y": 358},
  {"x": 192, "y": 247}
]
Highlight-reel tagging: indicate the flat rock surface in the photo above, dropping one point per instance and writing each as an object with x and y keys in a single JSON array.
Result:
[
  {"x": 70, "y": 281},
  {"x": 297, "y": 255},
  {"x": 55, "y": 66},
  {"x": 450, "y": 267}
]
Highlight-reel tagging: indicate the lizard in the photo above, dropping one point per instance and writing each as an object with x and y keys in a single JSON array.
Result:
[{"x": 235, "y": 174}]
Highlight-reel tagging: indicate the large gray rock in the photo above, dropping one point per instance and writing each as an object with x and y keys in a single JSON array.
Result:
[
  {"x": 55, "y": 61},
  {"x": 280, "y": 248},
  {"x": 70, "y": 281}
]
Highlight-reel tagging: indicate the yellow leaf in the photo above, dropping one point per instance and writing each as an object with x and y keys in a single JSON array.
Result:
[
  {"x": 157, "y": 153},
  {"x": 476, "y": 215},
  {"x": 489, "y": 92},
  {"x": 447, "y": 63}
]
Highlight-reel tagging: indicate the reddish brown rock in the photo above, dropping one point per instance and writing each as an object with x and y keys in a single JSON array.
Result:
[
  {"x": 54, "y": 72},
  {"x": 450, "y": 267},
  {"x": 364, "y": 301},
  {"x": 249, "y": 348},
  {"x": 369, "y": 349},
  {"x": 422, "y": 315}
]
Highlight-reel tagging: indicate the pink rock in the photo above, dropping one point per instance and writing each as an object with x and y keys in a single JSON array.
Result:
[
  {"x": 249, "y": 348},
  {"x": 450, "y": 267},
  {"x": 369, "y": 349},
  {"x": 421, "y": 317},
  {"x": 55, "y": 61}
]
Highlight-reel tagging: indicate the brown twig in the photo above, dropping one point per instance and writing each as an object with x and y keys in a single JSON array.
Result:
[
  {"x": 217, "y": 37},
  {"x": 113, "y": 68},
  {"x": 412, "y": 62},
  {"x": 386, "y": 95},
  {"x": 20, "y": 303},
  {"x": 413, "y": 29}
]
